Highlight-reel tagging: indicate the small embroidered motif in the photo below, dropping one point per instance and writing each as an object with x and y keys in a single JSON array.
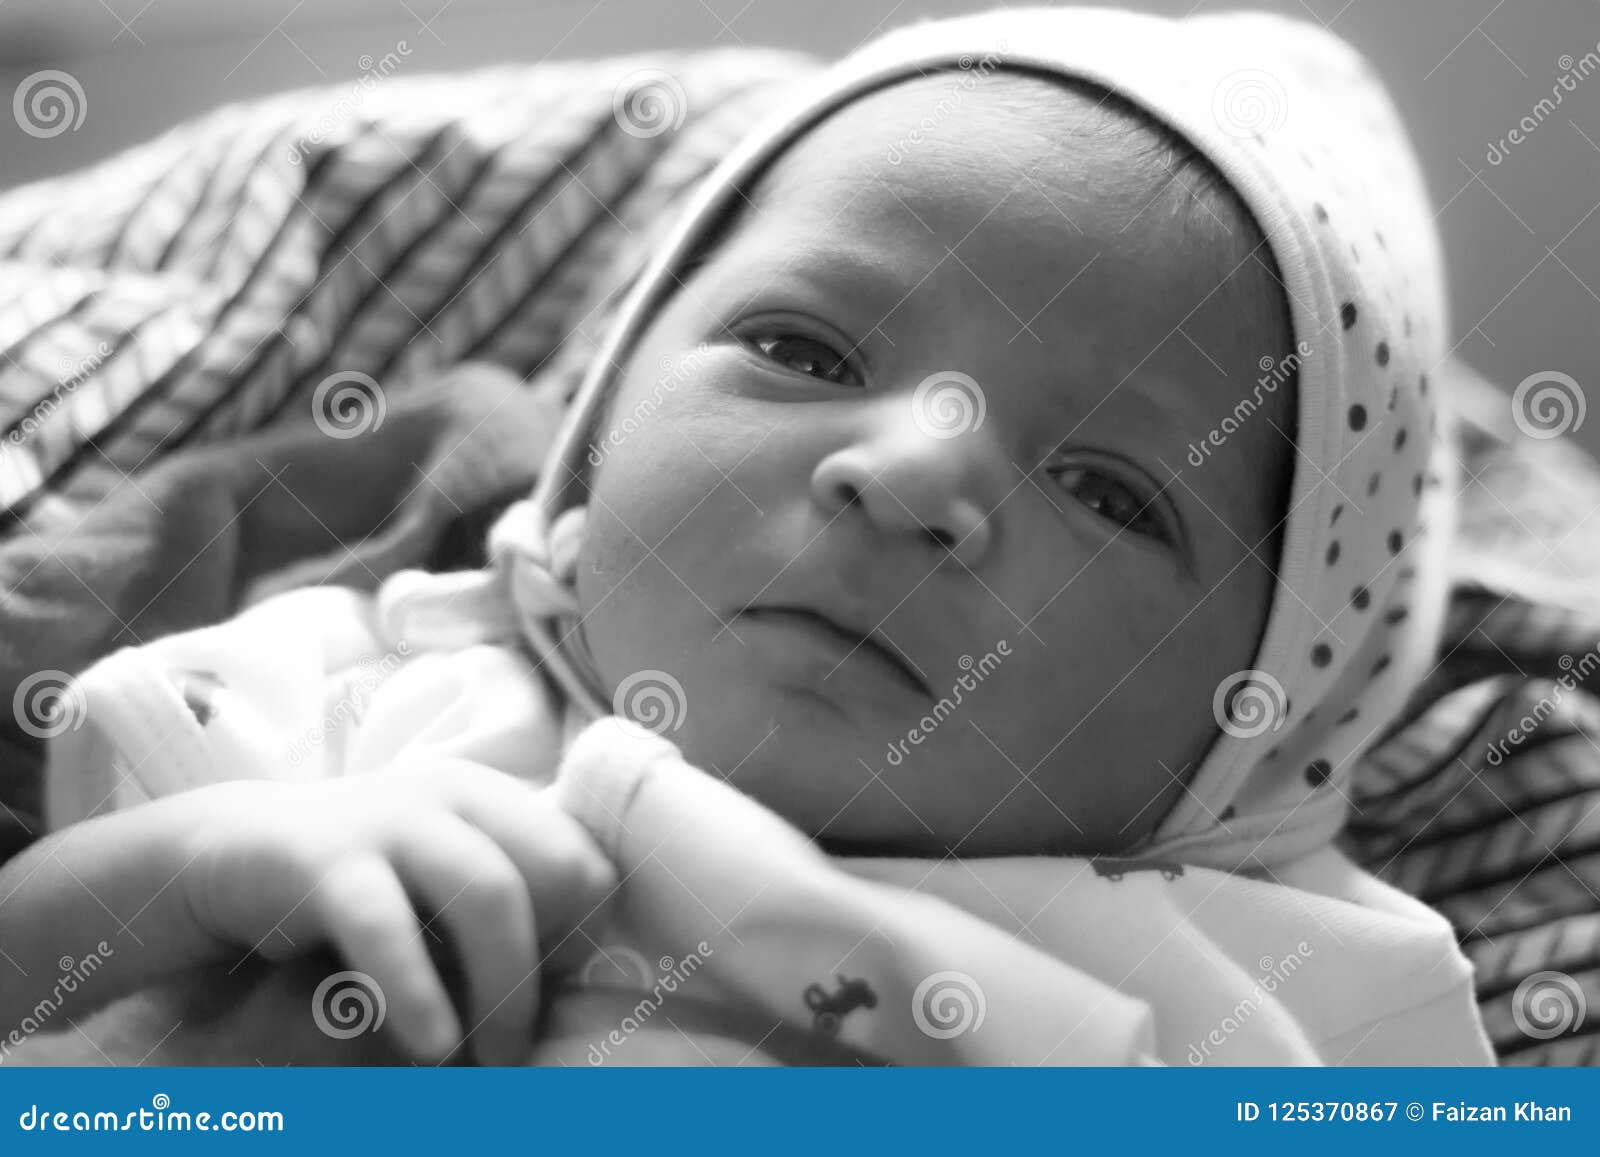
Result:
[
  {"x": 831, "y": 1008},
  {"x": 1114, "y": 868}
]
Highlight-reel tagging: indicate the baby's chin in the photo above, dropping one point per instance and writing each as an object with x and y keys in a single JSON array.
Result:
[
  {"x": 807, "y": 758},
  {"x": 822, "y": 767}
]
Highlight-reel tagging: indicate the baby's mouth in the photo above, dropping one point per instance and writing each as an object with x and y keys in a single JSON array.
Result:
[{"x": 872, "y": 642}]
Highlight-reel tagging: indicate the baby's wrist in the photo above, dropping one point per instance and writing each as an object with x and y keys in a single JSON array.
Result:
[
  {"x": 149, "y": 866},
  {"x": 90, "y": 915}
]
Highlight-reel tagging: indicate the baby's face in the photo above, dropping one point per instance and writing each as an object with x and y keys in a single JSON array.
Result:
[{"x": 800, "y": 527}]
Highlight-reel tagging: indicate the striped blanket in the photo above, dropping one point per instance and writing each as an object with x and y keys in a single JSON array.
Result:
[{"x": 214, "y": 282}]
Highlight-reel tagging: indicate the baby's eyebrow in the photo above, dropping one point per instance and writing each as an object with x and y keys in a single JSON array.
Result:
[
  {"x": 871, "y": 280},
  {"x": 1155, "y": 396}
]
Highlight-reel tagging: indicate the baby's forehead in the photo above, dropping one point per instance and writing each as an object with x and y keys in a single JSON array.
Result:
[
  {"x": 1045, "y": 218},
  {"x": 936, "y": 131},
  {"x": 1031, "y": 170}
]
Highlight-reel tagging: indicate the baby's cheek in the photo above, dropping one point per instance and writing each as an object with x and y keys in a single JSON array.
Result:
[
  {"x": 1113, "y": 613},
  {"x": 1125, "y": 668}
]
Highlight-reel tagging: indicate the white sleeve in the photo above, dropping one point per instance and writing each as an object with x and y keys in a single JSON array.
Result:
[
  {"x": 902, "y": 976},
  {"x": 244, "y": 699},
  {"x": 302, "y": 686},
  {"x": 1444, "y": 1031}
]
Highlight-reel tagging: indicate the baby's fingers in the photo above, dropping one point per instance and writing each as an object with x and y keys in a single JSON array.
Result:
[
  {"x": 365, "y": 912},
  {"x": 478, "y": 894},
  {"x": 569, "y": 879}
]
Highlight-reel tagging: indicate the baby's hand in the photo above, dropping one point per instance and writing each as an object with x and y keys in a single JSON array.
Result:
[{"x": 279, "y": 868}]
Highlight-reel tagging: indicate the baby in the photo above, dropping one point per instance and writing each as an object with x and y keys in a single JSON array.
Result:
[{"x": 1006, "y": 507}]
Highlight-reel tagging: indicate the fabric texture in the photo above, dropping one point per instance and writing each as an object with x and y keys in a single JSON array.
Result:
[
  {"x": 1331, "y": 179},
  {"x": 1507, "y": 850}
]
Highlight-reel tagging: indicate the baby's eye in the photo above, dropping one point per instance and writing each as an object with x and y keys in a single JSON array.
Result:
[
  {"x": 1112, "y": 500},
  {"x": 806, "y": 354}
]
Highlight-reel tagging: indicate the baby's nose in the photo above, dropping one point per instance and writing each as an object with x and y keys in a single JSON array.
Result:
[{"x": 910, "y": 483}]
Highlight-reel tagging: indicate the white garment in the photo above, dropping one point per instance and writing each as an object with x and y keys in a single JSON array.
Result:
[{"x": 1022, "y": 959}]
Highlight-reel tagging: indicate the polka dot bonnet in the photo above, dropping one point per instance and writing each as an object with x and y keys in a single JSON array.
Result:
[{"x": 1298, "y": 124}]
